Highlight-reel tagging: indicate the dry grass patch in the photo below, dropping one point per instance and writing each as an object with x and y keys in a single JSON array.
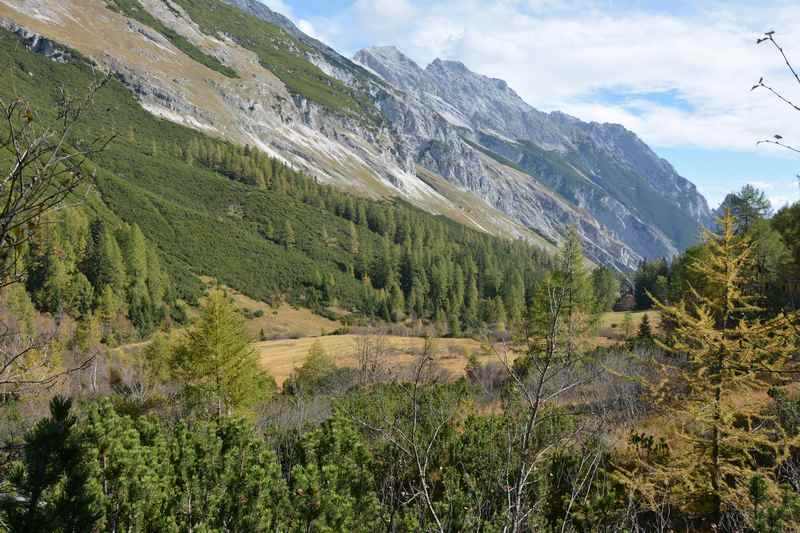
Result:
[
  {"x": 612, "y": 325},
  {"x": 281, "y": 357},
  {"x": 284, "y": 321}
]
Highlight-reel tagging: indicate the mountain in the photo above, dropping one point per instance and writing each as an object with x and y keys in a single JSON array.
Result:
[
  {"x": 602, "y": 168},
  {"x": 443, "y": 138}
]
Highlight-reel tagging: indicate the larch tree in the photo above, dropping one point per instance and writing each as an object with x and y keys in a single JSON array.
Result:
[
  {"x": 316, "y": 369},
  {"x": 627, "y": 325},
  {"x": 726, "y": 357},
  {"x": 354, "y": 245},
  {"x": 217, "y": 363},
  {"x": 135, "y": 252},
  {"x": 156, "y": 278}
]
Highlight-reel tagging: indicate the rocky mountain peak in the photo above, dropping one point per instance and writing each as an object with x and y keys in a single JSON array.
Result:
[
  {"x": 447, "y": 65},
  {"x": 392, "y": 65},
  {"x": 455, "y": 76},
  {"x": 391, "y": 53}
]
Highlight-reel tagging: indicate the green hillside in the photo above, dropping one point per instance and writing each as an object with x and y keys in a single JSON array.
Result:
[
  {"x": 211, "y": 208},
  {"x": 134, "y": 10},
  {"x": 281, "y": 53}
]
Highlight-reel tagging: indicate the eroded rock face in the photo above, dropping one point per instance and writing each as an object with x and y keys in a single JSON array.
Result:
[
  {"x": 523, "y": 169},
  {"x": 593, "y": 165},
  {"x": 38, "y": 44}
]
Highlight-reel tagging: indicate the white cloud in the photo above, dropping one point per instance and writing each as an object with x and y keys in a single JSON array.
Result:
[
  {"x": 307, "y": 28},
  {"x": 558, "y": 54},
  {"x": 392, "y": 13},
  {"x": 763, "y": 185},
  {"x": 280, "y": 6}
]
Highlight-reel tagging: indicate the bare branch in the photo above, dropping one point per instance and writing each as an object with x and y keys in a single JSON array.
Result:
[
  {"x": 770, "y": 36},
  {"x": 779, "y": 143}
]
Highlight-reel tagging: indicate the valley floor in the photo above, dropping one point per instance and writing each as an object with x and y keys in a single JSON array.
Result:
[{"x": 281, "y": 357}]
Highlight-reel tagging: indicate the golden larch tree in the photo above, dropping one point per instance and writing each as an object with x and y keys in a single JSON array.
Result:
[{"x": 723, "y": 356}]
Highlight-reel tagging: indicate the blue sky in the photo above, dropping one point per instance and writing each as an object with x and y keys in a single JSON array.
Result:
[{"x": 678, "y": 73}]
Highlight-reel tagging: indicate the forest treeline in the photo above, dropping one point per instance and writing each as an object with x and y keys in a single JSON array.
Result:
[{"x": 254, "y": 223}]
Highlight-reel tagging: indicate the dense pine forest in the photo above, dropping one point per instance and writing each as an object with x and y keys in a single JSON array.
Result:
[{"x": 132, "y": 397}]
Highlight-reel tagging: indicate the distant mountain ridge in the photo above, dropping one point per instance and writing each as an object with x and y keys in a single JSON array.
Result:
[
  {"x": 444, "y": 138},
  {"x": 603, "y": 160}
]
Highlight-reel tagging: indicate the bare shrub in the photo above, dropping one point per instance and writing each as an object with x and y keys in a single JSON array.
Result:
[{"x": 370, "y": 351}]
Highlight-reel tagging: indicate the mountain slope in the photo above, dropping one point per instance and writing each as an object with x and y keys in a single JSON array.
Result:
[
  {"x": 603, "y": 168},
  {"x": 215, "y": 209},
  {"x": 443, "y": 138},
  {"x": 431, "y": 131}
]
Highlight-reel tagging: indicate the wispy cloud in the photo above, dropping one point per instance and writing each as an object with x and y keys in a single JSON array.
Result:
[{"x": 572, "y": 55}]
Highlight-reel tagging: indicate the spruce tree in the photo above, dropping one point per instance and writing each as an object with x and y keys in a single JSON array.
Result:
[
  {"x": 105, "y": 265},
  {"x": 329, "y": 290},
  {"x": 472, "y": 303},
  {"x": 645, "y": 330},
  {"x": 50, "y": 282},
  {"x": 383, "y": 270}
]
